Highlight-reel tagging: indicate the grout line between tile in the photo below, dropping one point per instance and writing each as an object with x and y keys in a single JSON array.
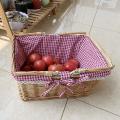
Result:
[
  {"x": 99, "y": 108},
  {"x": 94, "y": 16},
  {"x": 64, "y": 109}
]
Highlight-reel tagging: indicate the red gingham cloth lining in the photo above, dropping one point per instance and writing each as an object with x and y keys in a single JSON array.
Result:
[{"x": 62, "y": 47}]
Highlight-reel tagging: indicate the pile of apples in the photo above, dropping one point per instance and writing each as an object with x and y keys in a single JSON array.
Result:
[{"x": 36, "y": 62}]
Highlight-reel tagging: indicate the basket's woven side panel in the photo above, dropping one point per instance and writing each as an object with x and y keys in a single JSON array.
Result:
[
  {"x": 34, "y": 91},
  {"x": 22, "y": 91}
]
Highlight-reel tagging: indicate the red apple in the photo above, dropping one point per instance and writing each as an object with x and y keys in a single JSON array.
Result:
[
  {"x": 74, "y": 61},
  {"x": 56, "y": 67},
  {"x": 39, "y": 65},
  {"x": 56, "y": 61},
  {"x": 69, "y": 66},
  {"x": 26, "y": 68},
  {"x": 48, "y": 60},
  {"x": 34, "y": 57}
]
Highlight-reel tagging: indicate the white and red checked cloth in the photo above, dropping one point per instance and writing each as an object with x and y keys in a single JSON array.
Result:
[{"x": 62, "y": 47}]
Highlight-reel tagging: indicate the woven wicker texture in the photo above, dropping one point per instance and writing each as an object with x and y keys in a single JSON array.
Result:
[{"x": 34, "y": 91}]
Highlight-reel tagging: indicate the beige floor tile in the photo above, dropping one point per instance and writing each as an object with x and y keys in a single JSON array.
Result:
[
  {"x": 110, "y": 5},
  {"x": 108, "y": 15},
  {"x": 3, "y": 44},
  {"x": 85, "y": 11},
  {"x": 5, "y": 55},
  {"x": 78, "y": 27},
  {"x": 109, "y": 41},
  {"x": 107, "y": 93},
  {"x": 76, "y": 110},
  {"x": 7, "y": 88},
  {"x": 34, "y": 110}
]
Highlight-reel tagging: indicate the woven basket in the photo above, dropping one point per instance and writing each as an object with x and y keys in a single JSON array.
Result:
[{"x": 33, "y": 85}]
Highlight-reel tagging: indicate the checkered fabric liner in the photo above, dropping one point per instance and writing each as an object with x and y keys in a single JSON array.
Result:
[
  {"x": 62, "y": 47},
  {"x": 35, "y": 79}
]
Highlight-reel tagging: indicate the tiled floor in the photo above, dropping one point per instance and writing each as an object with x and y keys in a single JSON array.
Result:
[{"x": 99, "y": 18}]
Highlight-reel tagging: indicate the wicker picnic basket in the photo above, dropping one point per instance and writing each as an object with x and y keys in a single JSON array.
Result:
[{"x": 33, "y": 85}]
